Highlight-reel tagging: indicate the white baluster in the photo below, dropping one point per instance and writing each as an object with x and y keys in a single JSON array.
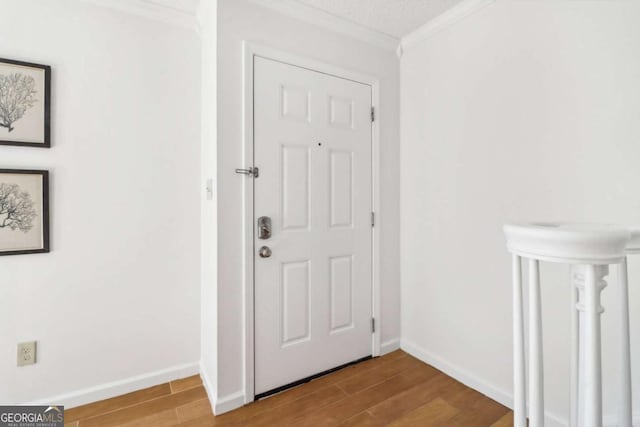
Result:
[
  {"x": 579, "y": 245},
  {"x": 625, "y": 413},
  {"x": 536, "y": 374},
  {"x": 593, "y": 285},
  {"x": 519, "y": 397},
  {"x": 576, "y": 279}
]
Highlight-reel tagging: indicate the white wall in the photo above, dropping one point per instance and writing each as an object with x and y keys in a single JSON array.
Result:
[
  {"x": 207, "y": 16},
  {"x": 525, "y": 110},
  {"x": 118, "y": 296},
  {"x": 240, "y": 20}
]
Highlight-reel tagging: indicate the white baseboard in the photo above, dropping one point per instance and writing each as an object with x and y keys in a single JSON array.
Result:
[
  {"x": 223, "y": 404},
  {"x": 228, "y": 403},
  {"x": 208, "y": 387},
  {"x": 472, "y": 381},
  {"x": 389, "y": 346},
  {"x": 120, "y": 387}
]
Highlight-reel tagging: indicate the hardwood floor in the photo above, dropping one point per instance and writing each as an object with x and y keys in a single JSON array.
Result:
[{"x": 394, "y": 390}]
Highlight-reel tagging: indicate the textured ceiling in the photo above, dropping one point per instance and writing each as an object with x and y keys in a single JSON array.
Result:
[{"x": 394, "y": 17}]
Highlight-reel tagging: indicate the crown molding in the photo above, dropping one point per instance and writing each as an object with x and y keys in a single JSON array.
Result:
[
  {"x": 437, "y": 24},
  {"x": 328, "y": 21},
  {"x": 152, "y": 11}
]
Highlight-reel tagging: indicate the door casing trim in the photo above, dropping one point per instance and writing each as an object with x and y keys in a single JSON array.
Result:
[{"x": 250, "y": 50}]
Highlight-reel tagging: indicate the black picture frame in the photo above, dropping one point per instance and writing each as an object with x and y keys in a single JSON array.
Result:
[
  {"x": 44, "y": 211},
  {"x": 46, "y": 143}
]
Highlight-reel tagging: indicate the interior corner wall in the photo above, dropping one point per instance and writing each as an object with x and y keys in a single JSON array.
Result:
[
  {"x": 209, "y": 226},
  {"x": 115, "y": 305},
  {"x": 522, "y": 111},
  {"x": 240, "y": 20}
]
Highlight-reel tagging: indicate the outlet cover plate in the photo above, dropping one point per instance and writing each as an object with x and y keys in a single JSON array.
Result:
[{"x": 26, "y": 353}]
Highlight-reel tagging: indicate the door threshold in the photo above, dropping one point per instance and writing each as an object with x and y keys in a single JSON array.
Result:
[{"x": 307, "y": 379}]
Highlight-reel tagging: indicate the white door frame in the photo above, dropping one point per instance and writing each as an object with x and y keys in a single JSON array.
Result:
[{"x": 250, "y": 50}]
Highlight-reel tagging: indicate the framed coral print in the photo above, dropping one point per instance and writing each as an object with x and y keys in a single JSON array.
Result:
[
  {"x": 25, "y": 100},
  {"x": 24, "y": 211}
]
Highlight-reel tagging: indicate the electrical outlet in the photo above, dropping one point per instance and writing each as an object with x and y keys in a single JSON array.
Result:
[{"x": 26, "y": 353}]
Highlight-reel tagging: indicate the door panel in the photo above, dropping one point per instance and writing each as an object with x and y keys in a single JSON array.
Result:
[
  {"x": 341, "y": 199},
  {"x": 312, "y": 143},
  {"x": 341, "y": 293},
  {"x": 295, "y": 192},
  {"x": 295, "y": 304}
]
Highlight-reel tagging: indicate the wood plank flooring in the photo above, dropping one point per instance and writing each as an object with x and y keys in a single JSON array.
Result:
[{"x": 393, "y": 390}]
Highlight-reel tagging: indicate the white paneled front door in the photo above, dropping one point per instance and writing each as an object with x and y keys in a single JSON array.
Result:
[{"x": 313, "y": 285}]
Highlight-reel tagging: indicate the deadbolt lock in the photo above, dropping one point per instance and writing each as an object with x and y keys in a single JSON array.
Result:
[{"x": 264, "y": 227}]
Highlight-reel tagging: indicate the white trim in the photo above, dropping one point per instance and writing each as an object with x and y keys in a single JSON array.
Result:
[
  {"x": 247, "y": 208},
  {"x": 249, "y": 51},
  {"x": 208, "y": 387},
  {"x": 206, "y": 13},
  {"x": 228, "y": 403},
  {"x": 448, "y": 18},
  {"x": 120, "y": 387},
  {"x": 389, "y": 346},
  {"x": 472, "y": 381},
  {"x": 153, "y": 11},
  {"x": 376, "y": 201},
  {"x": 328, "y": 21}
]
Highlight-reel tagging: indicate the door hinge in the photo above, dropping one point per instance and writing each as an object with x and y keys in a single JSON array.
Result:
[
  {"x": 373, "y": 325},
  {"x": 254, "y": 172},
  {"x": 373, "y": 114},
  {"x": 373, "y": 219}
]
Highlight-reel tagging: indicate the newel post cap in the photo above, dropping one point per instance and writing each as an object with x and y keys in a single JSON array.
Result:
[{"x": 571, "y": 243}]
